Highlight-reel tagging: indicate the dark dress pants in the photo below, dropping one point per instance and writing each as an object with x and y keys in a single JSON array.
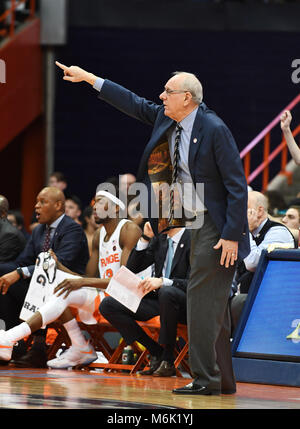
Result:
[
  {"x": 168, "y": 302},
  {"x": 208, "y": 311},
  {"x": 12, "y": 302},
  {"x": 237, "y": 303}
]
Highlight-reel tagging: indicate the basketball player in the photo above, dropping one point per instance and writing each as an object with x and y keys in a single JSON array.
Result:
[{"x": 112, "y": 244}]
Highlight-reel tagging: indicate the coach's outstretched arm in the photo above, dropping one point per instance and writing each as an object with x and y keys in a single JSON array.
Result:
[
  {"x": 115, "y": 95},
  {"x": 77, "y": 74}
]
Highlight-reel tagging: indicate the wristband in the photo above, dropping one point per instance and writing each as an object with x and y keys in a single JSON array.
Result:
[
  {"x": 145, "y": 237},
  {"x": 20, "y": 272}
]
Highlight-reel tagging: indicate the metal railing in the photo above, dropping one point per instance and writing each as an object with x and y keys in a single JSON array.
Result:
[
  {"x": 12, "y": 12},
  {"x": 268, "y": 157}
]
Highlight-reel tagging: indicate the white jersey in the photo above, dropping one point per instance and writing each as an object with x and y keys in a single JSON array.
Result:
[
  {"x": 44, "y": 280},
  {"x": 46, "y": 277},
  {"x": 42, "y": 284},
  {"x": 110, "y": 251}
]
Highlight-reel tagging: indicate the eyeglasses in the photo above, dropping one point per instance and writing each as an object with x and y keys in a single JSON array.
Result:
[{"x": 173, "y": 91}]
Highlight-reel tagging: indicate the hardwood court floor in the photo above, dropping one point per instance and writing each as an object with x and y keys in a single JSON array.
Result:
[{"x": 63, "y": 389}]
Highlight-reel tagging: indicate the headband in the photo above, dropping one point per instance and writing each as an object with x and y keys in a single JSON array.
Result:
[{"x": 111, "y": 197}]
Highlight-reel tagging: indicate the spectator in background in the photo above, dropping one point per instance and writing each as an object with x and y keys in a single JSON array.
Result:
[
  {"x": 89, "y": 225},
  {"x": 291, "y": 219},
  {"x": 12, "y": 241},
  {"x": 295, "y": 201},
  {"x": 263, "y": 233},
  {"x": 285, "y": 122},
  {"x": 58, "y": 180},
  {"x": 73, "y": 208},
  {"x": 16, "y": 218},
  {"x": 276, "y": 203},
  {"x": 125, "y": 181}
]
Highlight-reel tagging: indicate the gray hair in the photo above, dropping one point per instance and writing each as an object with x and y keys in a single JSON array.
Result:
[{"x": 192, "y": 84}]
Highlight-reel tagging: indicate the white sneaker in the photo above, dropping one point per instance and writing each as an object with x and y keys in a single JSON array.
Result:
[
  {"x": 74, "y": 356},
  {"x": 6, "y": 347}
]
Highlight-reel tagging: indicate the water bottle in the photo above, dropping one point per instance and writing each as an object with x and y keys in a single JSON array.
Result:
[{"x": 127, "y": 356}]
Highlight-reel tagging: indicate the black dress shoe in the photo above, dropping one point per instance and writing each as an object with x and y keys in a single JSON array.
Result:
[
  {"x": 165, "y": 369},
  {"x": 34, "y": 358},
  {"x": 154, "y": 364},
  {"x": 195, "y": 389},
  {"x": 19, "y": 350}
]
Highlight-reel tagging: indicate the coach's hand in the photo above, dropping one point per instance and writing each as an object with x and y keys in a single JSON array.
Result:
[
  {"x": 229, "y": 251},
  {"x": 76, "y": 74}
]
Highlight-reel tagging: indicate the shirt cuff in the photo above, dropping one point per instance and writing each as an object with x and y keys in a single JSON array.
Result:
[
  {"x": 98, "y": 84},
  {"x": 141, "y": 245},
  {"x": 167, "y": 282},
  {"x": 26, "y": 272}
]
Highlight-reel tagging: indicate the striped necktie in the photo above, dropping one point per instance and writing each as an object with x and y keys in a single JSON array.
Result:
[{"x": 175, "y": 169}]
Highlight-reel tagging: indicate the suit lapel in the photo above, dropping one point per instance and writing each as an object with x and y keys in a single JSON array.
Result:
[
  {"x": 39, "y": 237},
  {"x": 179, "y": 250},
  {"x": 57, "y": 232},
  {"x": 196, "y": 137}
]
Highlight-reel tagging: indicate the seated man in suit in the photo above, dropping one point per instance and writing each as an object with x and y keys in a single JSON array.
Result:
[
  {"x": 67, "y": 239},
  {"x": 12, "y": 241},
  {"x": 166, "y": 296},
  {"x": 263, "y": 233}
]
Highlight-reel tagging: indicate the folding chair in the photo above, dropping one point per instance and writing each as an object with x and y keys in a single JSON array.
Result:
[
  {"x": 96, "y": 327},
  {"x": 152, "y": 328},
  {"x": 58, "y": 338}
]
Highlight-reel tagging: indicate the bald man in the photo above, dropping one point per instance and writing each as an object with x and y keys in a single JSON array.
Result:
[
  {"x": 263, "y": 232},
  {"x": 68, "y": 241}
]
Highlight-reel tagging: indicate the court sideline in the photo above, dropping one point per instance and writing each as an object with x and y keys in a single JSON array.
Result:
[{"x": 64, "y": 389}]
